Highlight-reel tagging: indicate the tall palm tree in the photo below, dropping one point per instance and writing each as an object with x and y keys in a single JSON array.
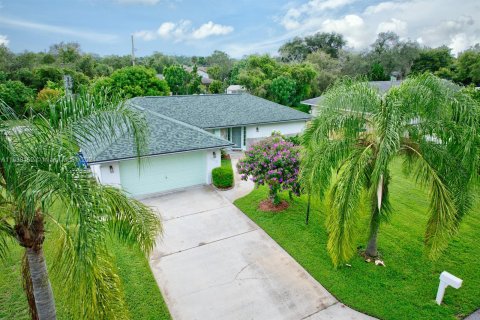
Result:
[
  {"x": 426, "y": 121},
  {"x": 44, "y": 191}
]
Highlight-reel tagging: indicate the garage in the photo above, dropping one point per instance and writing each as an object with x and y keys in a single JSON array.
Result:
[{"x": 163, "y": 173}]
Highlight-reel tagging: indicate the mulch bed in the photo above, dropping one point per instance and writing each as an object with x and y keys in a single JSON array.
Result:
[{"x": 267, "y": 205}]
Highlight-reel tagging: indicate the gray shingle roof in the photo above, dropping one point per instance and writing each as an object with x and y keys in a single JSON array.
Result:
[
  {"x": 165, "y": 136},
  {"x": 382, "y": 87},
  {"x": 220, "y": 110}
]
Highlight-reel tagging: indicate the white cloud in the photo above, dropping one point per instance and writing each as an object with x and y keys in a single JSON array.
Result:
[
  {"x": 211, "y": 29},
  {"x": 4, "y": 40},
  {"x": 295, "y": 15},
  {"x": 438, "y": 22},
  {"x": 183, "y": 31},
  {"x": 396, "y": 25},
  {"x": 24, "y": 24},
  {"x": 165, "y": 29}
]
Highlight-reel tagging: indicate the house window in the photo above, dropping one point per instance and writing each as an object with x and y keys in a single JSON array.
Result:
[
  {"x": 229, "y": 138},
  {"x": 244, "y": 135}
]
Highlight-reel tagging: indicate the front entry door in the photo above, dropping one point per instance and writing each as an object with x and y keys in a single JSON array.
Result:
[{"x": 237, "y": 137}]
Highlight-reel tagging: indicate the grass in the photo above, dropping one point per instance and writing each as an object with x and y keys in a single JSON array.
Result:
[
  {"x": 406, "y": 287},
  {"x": 143, "y": 298}
]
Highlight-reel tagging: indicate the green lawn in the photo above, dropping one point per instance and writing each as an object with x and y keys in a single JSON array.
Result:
[
  {"x": 406, "y": 287},
  {"x": 143, "y": 298}
]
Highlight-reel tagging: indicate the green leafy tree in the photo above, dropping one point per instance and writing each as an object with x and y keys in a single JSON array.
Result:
[
  {"x": 222, "y": 62},
  {"x": 216, "y": 87},
  {"x": 194, "y": 86},
  {"x": 432, "y": 60},
  {"x": 299, "y": 48},
  {"x": 159, "y": 62},
  {"x": 294, "y": 50},
  {"x": 46, "y": 73},
  {"x": 328, "y": 42},
  {"x": 328, "y": 70},
  {"x": 67, "y": 52},
  {"x": 358, "y": 133},
  {"x": 377, "y": 73},
  {"x": 468, "y": 67},
  {"x": 133, "y": 82},
  {"x": 177, "y": 78},
  {"x": 47, "y": 194},
  {"x": 16, "y": 95},
  {"x": 282, "y": 90}
]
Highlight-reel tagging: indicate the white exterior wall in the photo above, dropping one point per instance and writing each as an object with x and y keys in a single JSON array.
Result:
[
  {"x": 103, "y": 174},
  {"x": 265, "y": 130},
  {"x": 212, "y": 162}
]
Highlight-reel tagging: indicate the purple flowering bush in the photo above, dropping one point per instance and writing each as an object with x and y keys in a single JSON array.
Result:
[{"x": 274, "y": 162}]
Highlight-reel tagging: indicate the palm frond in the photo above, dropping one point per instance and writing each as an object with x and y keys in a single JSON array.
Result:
[
  {"x": 344, "y": 205},
  {"x": 442, "y": 223}
]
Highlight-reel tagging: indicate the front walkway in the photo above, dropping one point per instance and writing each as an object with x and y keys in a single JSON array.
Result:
[{"x": 215, "y": 263}]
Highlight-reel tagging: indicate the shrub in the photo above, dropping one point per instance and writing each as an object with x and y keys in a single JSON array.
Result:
[
  {"x": 272, "y": 161},
  {"x": 222, "y": 177}
]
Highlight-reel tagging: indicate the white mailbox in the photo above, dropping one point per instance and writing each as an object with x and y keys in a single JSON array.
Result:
[{"x": 447, "y": 279}]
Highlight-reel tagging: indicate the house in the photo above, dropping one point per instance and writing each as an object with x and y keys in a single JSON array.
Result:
[
  {"x": 382, "y": 86},
  {"x": 186, "y": 134},
  {"x": 235, "y": 88}
]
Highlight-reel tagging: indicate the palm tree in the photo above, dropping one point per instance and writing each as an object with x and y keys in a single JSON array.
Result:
[
  {"x": 348, "y": 149},
  {"x": 44, "y": 191}
]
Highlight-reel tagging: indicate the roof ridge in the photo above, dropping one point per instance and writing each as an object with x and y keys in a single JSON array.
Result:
[
  {"x": 177, "y": 121},
  {"x": 194, "y": 95}
]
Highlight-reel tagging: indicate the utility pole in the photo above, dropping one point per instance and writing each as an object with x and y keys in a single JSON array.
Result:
[{"x": 133, "y": 52}]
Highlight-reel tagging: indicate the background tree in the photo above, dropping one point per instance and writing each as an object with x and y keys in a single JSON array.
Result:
[
  {"x": 467, "y": 67},
  {"x": 216, "y": 87},
  {"x": 222, "y": 62},
  {"x": 282, "y": 90},
  {"x": 432, "y": 60},
  {"x": 16, "y": 95},
  {"x": 328, "y": 42},
  {"x": 297, "y": 49},
  {"x": 134, "y": 81},
  {"x": 177, "y": 78},
  {"x": 194, "y": 86},
  {"x": 328, "y": 70},
  {"x": 48, "y": 180},
  {"x": 66, "y": 53},
  {"x": 393, "y": 54},
  {"x": 409, "y": 121}
]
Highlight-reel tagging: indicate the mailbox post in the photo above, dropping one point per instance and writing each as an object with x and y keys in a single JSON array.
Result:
[{"x": 447, "y": 279}]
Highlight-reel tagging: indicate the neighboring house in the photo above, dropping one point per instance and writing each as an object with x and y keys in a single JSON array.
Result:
[
  {"x": 202, "y": 72},
  {"x": 235, "y": 88},
  {"x": 186, "y": 134},
  {"x": 382, "y": 87}
]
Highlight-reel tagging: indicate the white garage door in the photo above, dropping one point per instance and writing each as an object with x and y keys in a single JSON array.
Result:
[{"x": 163, "y": 173}]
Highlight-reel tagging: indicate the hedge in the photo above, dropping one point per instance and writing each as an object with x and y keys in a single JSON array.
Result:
[{"x": 222, "y": 177}]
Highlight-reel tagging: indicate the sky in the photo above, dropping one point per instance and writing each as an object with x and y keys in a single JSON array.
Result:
[{"x": 239, "y": 27}]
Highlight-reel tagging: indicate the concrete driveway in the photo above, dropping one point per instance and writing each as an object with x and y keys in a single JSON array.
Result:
[{"x": 215, "y": 263}]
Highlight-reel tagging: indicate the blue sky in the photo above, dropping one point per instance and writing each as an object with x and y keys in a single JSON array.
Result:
[{"x": 238, "y": 27}]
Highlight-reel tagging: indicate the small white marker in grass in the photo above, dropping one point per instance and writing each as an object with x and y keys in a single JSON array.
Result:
[{"x": 447, "y": 279}]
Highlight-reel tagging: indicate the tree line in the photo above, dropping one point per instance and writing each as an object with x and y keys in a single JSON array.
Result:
[{"x": 304, "y": 68}]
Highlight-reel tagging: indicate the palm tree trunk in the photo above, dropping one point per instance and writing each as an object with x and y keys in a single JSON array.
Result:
[
  {"x": 28, "y": 287},
  {"x": 42, "y": 290},
  {"x": 372, "y": 241}
]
